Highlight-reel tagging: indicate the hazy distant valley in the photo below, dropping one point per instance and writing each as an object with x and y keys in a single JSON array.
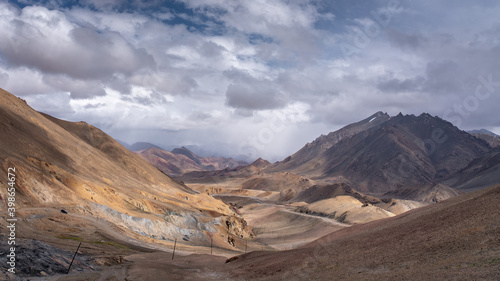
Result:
[{"x": 367, "y": 201}]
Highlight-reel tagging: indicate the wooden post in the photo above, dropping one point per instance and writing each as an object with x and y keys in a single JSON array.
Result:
[
  {"x": 211, "y": 246},
  {"x": 74, "y": 257},
  {"x": 175, "y": 243}
]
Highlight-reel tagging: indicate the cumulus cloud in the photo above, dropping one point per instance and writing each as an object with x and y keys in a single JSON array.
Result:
[
  {"x": 182, "y": 69},
  {"x": 45, "y": 40}
]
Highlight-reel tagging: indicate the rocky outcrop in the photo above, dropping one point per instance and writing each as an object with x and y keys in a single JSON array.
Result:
[
  {"x": 39, "y": 259},
  {"x": 237, "y": 227}
]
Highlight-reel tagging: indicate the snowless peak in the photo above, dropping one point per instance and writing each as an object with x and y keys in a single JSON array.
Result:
[
  {"x": 261, "y": 163},
  {"x": 377, "y": 114}
]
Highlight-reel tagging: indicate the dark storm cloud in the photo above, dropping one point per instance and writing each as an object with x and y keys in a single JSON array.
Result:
[
  {"x": 120, "y": 84},
  {"x": 254, "y": 95},
  {"x": 406, "y": 41},
  {"x": 441, "y": 77},
  {"x": 444, "y": 76}
]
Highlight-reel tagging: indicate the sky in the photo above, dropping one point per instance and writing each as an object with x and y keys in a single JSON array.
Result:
[{"x": 251, "y": 78}]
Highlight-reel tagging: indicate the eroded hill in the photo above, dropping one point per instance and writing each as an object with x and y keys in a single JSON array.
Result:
[{"x": 79, "y": 168}]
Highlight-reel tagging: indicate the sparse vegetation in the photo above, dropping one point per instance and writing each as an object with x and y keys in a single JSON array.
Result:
[
  {"x": 305, "y": 210},
  {"x": 111, "y": 243},
  {"x": 70, "y": 238}
]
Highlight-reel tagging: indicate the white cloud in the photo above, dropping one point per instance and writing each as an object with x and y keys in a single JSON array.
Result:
[
  {"x": 46, "y": 40},
  {"x": 227, "y": 65}
]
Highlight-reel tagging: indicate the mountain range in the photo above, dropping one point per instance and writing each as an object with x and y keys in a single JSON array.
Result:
[
  {"x": 403, "y": 156},
  {"x": 182, "y": 160},
  {"x": 77, "y": 167},
  {"x": 356, "y": 185},
  {"x": 491, "y": 138},
  {"x": 381, "y": 154},
  {"x": 421, "y": 158}
]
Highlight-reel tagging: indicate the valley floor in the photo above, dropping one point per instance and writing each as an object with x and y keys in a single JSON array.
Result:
[{"x": 458, "y": 239}]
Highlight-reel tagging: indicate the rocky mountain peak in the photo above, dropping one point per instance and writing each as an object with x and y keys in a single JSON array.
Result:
[{"x": 261, "y": 163}]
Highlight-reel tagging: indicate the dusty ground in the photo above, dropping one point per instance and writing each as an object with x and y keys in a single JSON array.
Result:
[
  {"x": 279, "y": 226},
  {"x": 114, "y": 253},
  {"x": 458, "y": 239}
]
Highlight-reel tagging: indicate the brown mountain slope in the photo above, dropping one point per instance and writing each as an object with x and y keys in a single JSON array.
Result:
[
  {"x": 480, "y": 173},
  {"x": 261, "y": 163},
  {"x": 305, "y": 157},
  {"x": 401, "y": 152},
  {"x": 77, "y": 166},
  {"x": 113, "y": 150},
  {"x": 456, "y": 239},
  {"x": 320, "y": 192},
  {"x": 429, "y": 194},
  {"x": 209, "y": 163},
  {"x": 182, "y": 160},
  {"x": 493, "y": 141},
  {"x": 405, "y": 152},
  {"x": 168, "y": 162}
]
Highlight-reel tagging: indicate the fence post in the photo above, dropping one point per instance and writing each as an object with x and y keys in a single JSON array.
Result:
[{"x": 175, "y": 243}]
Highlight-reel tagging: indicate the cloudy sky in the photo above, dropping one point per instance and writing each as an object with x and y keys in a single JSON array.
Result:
[{"x": 251, "y": 78}]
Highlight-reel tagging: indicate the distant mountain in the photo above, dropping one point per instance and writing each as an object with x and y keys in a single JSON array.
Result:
[
  {"x": 388, "y": 153},
  {"x": 125, "y": 144},
  {"x": 483, "y": 131},
  {"x": 491, "y": 138},
  {"x": 189, "y": 154},
  {"x": 261, "y": 163},
  {"x": 182, "y": 160},
  {"x": 142, "y": 146},
  {"x": 482, "y": 172}
]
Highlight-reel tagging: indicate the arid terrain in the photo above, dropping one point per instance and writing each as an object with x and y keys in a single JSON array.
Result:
[
  {"x": 371, "y": 201},
  {"x": 453, "y": 240},
  {"x": 182, "y": 160}
]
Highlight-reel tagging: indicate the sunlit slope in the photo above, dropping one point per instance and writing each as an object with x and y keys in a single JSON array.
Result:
[{"x": 78, "y": 167}]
